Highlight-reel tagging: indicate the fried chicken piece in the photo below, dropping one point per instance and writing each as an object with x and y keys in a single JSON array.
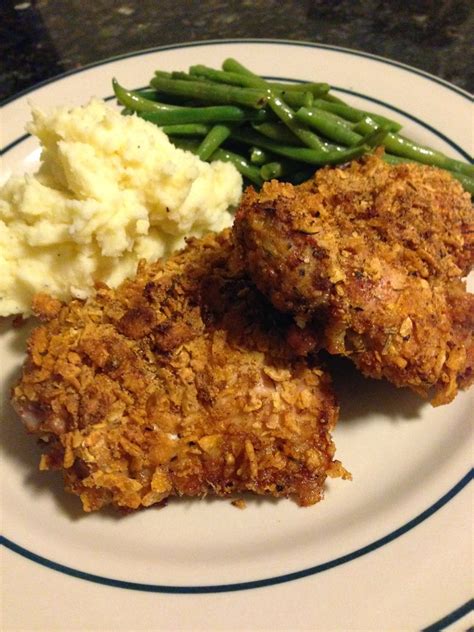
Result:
[
  {"x": 369, "y": 259},
  {"x": 179, "y": 382}
]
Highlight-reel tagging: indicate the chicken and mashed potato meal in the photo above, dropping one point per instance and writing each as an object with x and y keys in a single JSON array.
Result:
[
  {"x": 110, "y": 190},
  {"x": 157, "y": 373}
]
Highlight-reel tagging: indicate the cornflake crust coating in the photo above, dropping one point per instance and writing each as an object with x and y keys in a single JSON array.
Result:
[
  {"x": 369, "y": 259},
  {"x": 179, "y": 382}
]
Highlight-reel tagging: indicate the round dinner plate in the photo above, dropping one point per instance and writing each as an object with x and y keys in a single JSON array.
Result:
[{"x": 389, "y": 550}]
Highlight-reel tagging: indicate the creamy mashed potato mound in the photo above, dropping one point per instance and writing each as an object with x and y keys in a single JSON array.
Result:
[{"x": 110, "y": 190}]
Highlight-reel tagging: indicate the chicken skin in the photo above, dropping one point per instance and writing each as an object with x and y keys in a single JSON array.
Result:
[
  {"x": 179, "y": 382},
  {"x": 369, "y": 260}
]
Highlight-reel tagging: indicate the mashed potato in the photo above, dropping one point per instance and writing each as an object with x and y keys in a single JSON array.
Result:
[{"x": 110, "y": 191}]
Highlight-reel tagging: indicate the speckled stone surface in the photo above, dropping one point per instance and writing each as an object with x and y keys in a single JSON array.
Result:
[{"x": 41, "y": 39}]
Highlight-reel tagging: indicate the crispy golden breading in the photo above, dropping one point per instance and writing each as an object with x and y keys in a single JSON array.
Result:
[
  {"x": 179, "y": 382},
  {"x": 370, "y": 258}
]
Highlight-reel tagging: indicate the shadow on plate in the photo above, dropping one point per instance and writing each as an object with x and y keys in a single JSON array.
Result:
[{"x": 360, "y": 396}]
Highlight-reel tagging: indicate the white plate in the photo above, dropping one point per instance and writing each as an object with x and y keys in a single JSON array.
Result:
[{"x": 390, "y": 550}]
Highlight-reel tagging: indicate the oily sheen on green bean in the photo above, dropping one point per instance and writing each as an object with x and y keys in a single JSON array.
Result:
[{"x": 271, "y": 129}]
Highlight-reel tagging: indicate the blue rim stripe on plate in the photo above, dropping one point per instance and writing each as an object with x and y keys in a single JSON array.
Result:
[
  {"x": 236, "y": 41},
  {"x": 451, "y": 618},
  {"x": 14, "y": 143},
  {"x": 259, "y": 583}
]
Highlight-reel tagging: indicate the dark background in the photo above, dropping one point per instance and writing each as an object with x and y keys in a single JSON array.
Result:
[{"x": 43, "y": 38}]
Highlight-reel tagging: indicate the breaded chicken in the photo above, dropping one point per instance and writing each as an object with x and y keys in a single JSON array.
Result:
[
  {"x": 369, "y": 259},
  {"x": 179, "y": 382}
]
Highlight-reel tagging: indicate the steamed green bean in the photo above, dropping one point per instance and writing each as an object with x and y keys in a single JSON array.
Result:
[
  {"x": 406, "y": 148},
  {"x": 279, "y": 107},
  {"x": 301, "y": 154},
  {"x": 271, "y": 129},
  {"x": 212, "y": 92},
  {"x": 330, "y": 126},
  {"x": 213, "y": 140}
]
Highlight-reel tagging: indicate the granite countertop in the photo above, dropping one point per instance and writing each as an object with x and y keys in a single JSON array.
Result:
[{"x": 44, "y": 38}]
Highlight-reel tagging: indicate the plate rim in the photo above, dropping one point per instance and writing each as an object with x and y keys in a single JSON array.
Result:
[{"x": 247, "y": 585}]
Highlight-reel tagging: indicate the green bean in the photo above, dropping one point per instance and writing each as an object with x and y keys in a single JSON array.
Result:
[
  {"x": 354, "y": 115},
  {"x": 279, "y": 107},
  {"x": 401, "y": 146},
  {"x": 278, "y": 169},
  {"x": 308, "y": 99},
  {"x": 220, "y": 76},
  {"x": 296, "y": 99},
  {"x": 286, "y": 124},
  {"x": 466, "y": 181},
  {"x": 163, "y": 73},
  {"x": 210, "y": 114},
  {"x": 278, "y": 132},
  {"x": 185, "y": 76},
  {"x": 214, "y": 139},
  {"x": 271, "y": 170},
  {"x": 340, "y": 109},
  {"x": 147, "y": 93},
  {"x": 301, "y": 154},
  {"x": 259, "y": 156},
  {"x": 176, "y": 98},
  {"x": 293, "y": 98},
  {"x": 286, "y": 114},
  {"x": 134, "y": 101},
  {"x": 211, "y": 92},
  {"x": 187, "y": 129},
  {"x": 316, "y": 89},
  {"x": 329, "y": 126},
  {"x": 233, "y": 66},
  {"x": 331, "y": 98},
  {"x": 375, "y": 138},
  {"x": 239, "y": 79},
  {"x": 241, "y": 164}
]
